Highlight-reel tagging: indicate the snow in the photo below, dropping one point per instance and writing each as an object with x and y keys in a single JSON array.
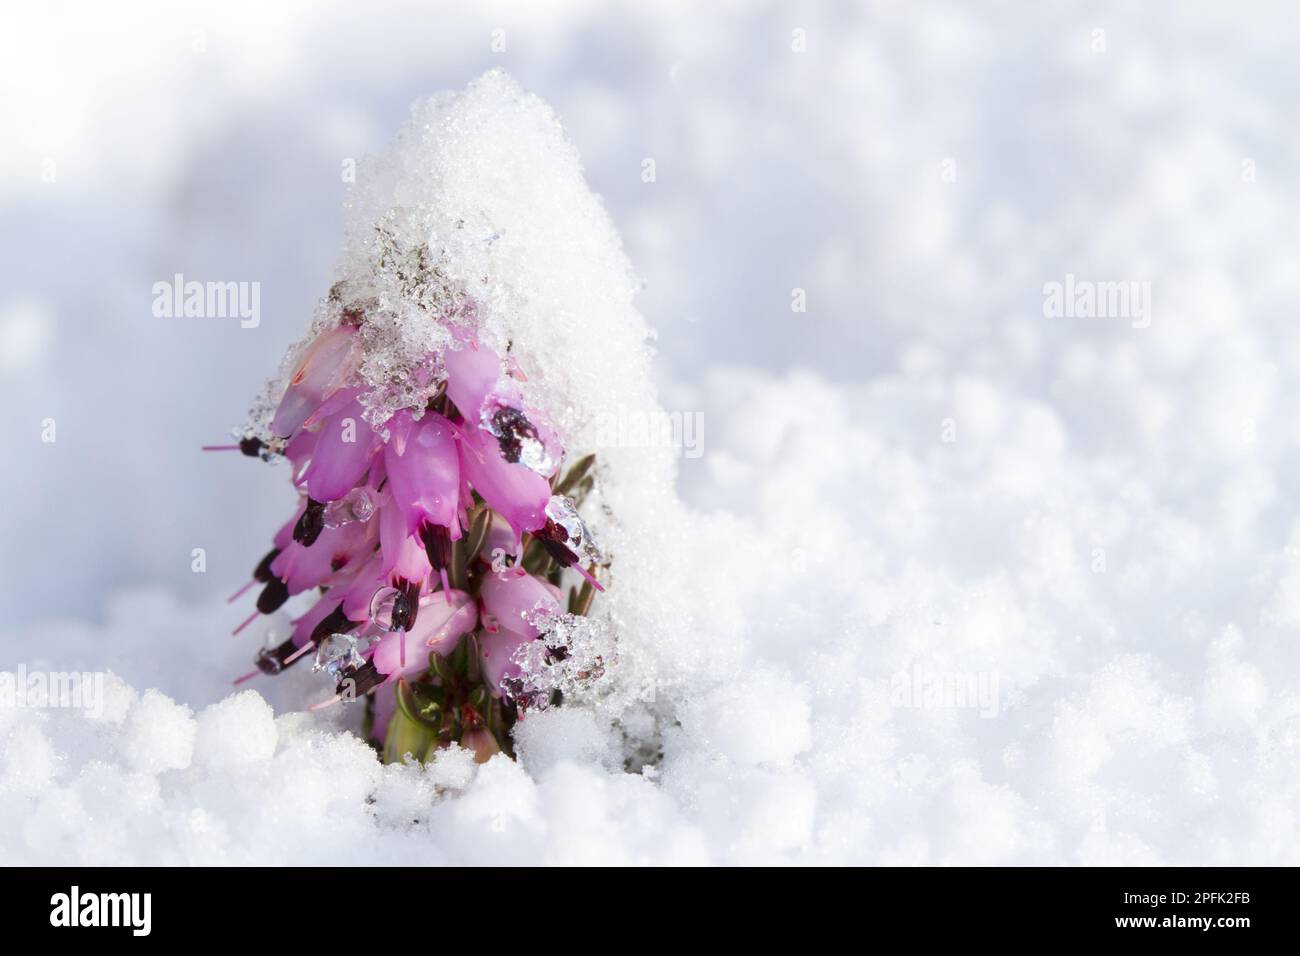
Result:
[
  {"x": 239, "y": 731},
  {"x": 920, "y": 489},
  {"x": 159, "y": 734},
  {"x": 1132, "y": 724}
]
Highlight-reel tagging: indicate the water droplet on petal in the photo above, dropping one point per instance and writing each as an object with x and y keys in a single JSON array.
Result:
[
  {"x": 357, "y": 505},
  {"x": 518, "y": 438},
  {"x": 382, "y": 604}
]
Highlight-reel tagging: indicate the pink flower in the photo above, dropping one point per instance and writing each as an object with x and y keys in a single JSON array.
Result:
[
  {"x": 390, "y": 512},
  {"x": 497, "y": 656},
  {"x": 473, "y": 372},
  {"x": 511, "y": 600},
  {"x": 425, "y": 487},
  {"x": 345, "y": 445},
  {"x": 323, "y": 368},
  {"x": 301, "y": 567},
  {"x": 440, "y": 627},
  {"x": 516, "y": 493},
  {"x": 512, "y": 597}
]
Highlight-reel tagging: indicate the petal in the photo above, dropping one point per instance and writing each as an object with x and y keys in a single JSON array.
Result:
[
  {"x": 438, "y": 627},
  {"x": 472, "y": 373},
  {"x": 319, "y": 372},
  {"x": 424, "y": 478},
  {"x": 342, "y": 455},
  {"x": 511, "y": 596},
  {"x": 512, "y": 490}
]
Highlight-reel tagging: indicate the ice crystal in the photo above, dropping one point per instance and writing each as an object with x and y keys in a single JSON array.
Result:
[
  {"x": 338, "y": 655},
  {"x": 564, "y": 513},
  {"x": 571, "y": 656}
]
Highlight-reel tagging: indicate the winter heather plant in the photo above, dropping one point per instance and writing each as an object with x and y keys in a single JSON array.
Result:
[{"x": 437, "y": 532}]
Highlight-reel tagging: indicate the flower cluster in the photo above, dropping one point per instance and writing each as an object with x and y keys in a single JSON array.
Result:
[{"x": 434, "y": 542}]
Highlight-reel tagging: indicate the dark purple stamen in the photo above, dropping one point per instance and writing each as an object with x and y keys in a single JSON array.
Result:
[
  {"x": 552, "y": 536},
  {"x": 273, "y": 596},
  {"x": 263, "y": 572},
  {"x": 271, "y": 660},
  {"x": 364, "y": 679},
  {"x": 335, "y": 622},
  {"x": 437, "y": 543},
  {"x": 406, "y": 605},
  {"x": 512, "y": 426},
  {"x": 310, "y": 524}
]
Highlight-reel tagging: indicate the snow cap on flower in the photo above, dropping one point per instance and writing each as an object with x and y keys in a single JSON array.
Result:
[{"x": 428, "y": 463}]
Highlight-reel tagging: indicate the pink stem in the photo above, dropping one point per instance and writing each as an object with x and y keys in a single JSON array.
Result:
[
  {"x": 219, "y": 448},
  {"x": 297, "y": 654},
  {"x": 249, "y": 676},
  {"x": 241, "y": 592},
  {"x": 247, "y": 621},
  {"x": 587, "y": 574}
]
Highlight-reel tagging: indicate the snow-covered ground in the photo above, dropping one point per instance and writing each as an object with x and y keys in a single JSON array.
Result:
[{"x": 952, "y": 579}]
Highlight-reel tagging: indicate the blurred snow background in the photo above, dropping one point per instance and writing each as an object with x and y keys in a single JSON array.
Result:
[{"x": 921, "y": 473}]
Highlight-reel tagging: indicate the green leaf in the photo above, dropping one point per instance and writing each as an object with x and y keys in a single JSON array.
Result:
[
  {"x": 417, "y": 705},
  {"x": 575, "y": 474},
  {"x": 478, "y": 532},
  {"x": 440, "y": 666},
  {"x": 458, "y": 570},
  {"x": 536, "y": 560},
  {"x": 457, "y": 725},
  {"x": 406, "y": 736},
  {"x": 473, "y": 667},
  {"x": 460, "y": 657}
]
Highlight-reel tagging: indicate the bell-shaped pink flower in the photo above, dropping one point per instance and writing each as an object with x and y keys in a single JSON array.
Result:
[
  {"x": 490, "y": 401},
  {"x": 496, "y": 657},
  {"x": 510, "y": 597},
  {"x": 424, "y": 481},
  {"x": 359, "y": 591},
  {"x": 404, "y": 555},
  {"x": 342, "y": 453},
  {"x": 515, "y": 492},
  {"x": 473, "y": 372},
  {"x": 302, "y": 567},
  {"x": 424, "y": 471},
  {"x": 500, "y": 537},
  {"x": 324, "y": 366},
  {"x": 441, "y": 623},
  {"x": 509, "y": 600}
]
